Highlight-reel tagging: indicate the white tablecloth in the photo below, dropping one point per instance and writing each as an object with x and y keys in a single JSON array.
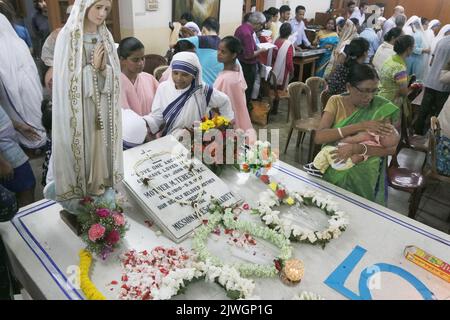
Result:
[{"x": 44, "y": 251}]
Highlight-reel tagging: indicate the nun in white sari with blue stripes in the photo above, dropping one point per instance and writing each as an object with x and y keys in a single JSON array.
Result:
[{"x": 185, "y": 99}]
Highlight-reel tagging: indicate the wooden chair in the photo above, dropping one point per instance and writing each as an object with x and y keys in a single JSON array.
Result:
[
  {"x": 414, "y": 142},
  {"x": 317, "y": 86},
  {"x": 406, "y": 180},
  {"x": 432, "y": 172},
  {"x": 158, "y": 72},
  {"x": 152, "y": 61},
  {"x": 303, "y": 119}
]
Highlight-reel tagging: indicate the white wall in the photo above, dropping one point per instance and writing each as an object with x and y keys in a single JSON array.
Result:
[
  {"x": 152, "y": 27},
  {"x": 312, "y": 6}
]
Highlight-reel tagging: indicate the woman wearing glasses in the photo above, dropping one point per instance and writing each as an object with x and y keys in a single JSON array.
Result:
[{"x": 358, "y": 111}]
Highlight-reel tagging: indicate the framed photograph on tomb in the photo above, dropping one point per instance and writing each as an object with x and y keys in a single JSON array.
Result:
[{"x": 200, "y": 9}]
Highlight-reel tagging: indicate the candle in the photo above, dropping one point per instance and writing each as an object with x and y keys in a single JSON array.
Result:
[{"x": 293, "y": 271}]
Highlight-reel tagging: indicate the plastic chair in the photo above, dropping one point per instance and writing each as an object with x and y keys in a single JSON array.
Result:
[
  {"x": 303, "y": 119},
  {"x": 317, "y": 86},
  {"x": 158, "y": 72}
]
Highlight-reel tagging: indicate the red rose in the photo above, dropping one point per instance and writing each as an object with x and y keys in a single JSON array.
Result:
[
  {"x": 103, "y": 213},
  {"x": 246, "y": 207},
  {"x": 86, "y": 200},
  {"x": 113, "y": 237},
  {"x": 265, "y": 178},
  {"x": 281, "y": 194}
]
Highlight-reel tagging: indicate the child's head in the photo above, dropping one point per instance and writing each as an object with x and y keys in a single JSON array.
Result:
[
  {"x": 46, "y": 108},
  {"x": 182, "y": 46},
  {"x": 285, "y": 30},
  {"x": 131, "y": 52},
  {"x": 229, "y": 49},
  {"x": 186, "y": 70}
]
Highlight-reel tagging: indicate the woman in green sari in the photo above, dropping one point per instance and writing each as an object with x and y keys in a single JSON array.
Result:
[{"x": 345, "y": 115}]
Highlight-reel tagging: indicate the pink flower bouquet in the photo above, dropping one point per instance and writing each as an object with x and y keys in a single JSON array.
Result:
[{"x": 102, "y": 226}]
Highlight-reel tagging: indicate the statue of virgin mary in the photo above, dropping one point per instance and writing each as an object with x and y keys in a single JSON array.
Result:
[{"x": 86, "y": 156}]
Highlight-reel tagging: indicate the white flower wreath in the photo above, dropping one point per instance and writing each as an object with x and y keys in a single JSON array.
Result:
[
  {"x": 225, "y": 216},
  {"x": 226, "y": 276},
  {"x": 278, "y": 195},
  {"x": 166, "y": 272},
  {"x": 307, "y": 296}
]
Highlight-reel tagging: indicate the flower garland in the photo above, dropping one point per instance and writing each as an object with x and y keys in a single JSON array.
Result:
[
  {"x": 307, "y": 296},
  {"x": 279, "y": 194},
  {"x": 220, "y": 215},
  {"x": 86, "y": 285}
]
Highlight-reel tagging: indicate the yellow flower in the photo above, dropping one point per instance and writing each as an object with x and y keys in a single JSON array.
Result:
[
  {"x": 219, "y": 121},
  {"x": 273, "y": 186},
  {"x": 204, "y": 126},
  {"x": 290, "y": 201},
  {"x": 88, "y": 288}
]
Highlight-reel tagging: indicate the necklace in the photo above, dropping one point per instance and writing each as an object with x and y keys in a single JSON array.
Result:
[
  {"x": 190, "y": 167},
  {"x": 91, "y": 41}
]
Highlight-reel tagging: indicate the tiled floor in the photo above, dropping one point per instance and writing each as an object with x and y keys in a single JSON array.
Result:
[{"x": 434, "y": 209}]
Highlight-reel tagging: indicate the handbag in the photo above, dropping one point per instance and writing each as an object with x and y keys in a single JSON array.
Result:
[
  {"x": 260, "y": 112},
  {"x": 8, "y": 204}
]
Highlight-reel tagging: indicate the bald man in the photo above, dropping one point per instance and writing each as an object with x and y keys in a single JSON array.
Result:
[{"x": 390, "y": 23}]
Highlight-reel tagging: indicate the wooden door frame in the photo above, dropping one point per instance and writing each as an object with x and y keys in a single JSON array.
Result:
[
  {"x": 54, "y": 17},
  {"x": 259, "y": 5}
]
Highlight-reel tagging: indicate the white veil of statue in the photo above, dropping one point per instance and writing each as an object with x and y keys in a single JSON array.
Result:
[{"x": 87, "y": 157}]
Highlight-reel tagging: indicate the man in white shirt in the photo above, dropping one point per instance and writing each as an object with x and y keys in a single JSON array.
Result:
[
  {"x": 390, "y": 23},
  {"x": 298, "y": 27},
  {"x": 359, "y": 13}
]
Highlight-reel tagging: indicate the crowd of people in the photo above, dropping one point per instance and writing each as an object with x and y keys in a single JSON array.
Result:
[
  {"x": 91, "y": 83},
  {"x": 368, "y": 68}
]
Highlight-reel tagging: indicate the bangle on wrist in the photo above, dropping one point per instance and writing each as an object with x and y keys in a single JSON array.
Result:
[
  {"x": 340, "y": 133},
  {"x": 365, "y": 150}
]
